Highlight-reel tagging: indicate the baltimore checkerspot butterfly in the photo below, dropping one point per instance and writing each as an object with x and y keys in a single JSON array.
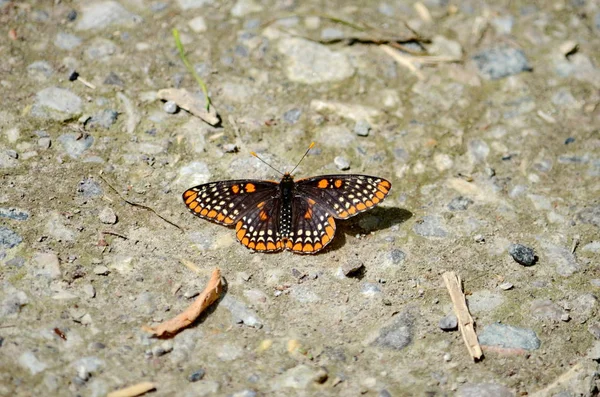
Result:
[{"x": 289, "y": 215}]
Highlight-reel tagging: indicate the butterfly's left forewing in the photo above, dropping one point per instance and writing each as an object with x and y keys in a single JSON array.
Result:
[
  {"x": 345, "y": 195},
  {"x": 226, "y": 202}
]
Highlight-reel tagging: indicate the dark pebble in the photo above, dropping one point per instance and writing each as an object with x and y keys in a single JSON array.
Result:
[
  {"x": 397, "y": 256},
  {"x": 448, "y": 323},
  {"x": 8, "y": 238},
  {"x": 196, "y": 375},
  {"x": 13, "y": 213},
  {"x": 72, "y": 15},
  {"x": 497, "y": 63},
  {"x": 459, "y": 203},
  {"x": 522, "y": 254},
  {"x": 569, "y": 140}
]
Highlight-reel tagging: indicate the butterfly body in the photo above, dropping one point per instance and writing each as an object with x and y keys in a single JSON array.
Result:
[{"x": 290, "y": 215}]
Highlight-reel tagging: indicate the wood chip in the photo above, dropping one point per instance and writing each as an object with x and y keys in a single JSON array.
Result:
[
  {"x": 193, "y": 104},
  {"x": 210, "y": 294},
  {"x": 132, "y": 391},
  {"x": 465, "y": 321},
  {"x": 403, "y": 60}
]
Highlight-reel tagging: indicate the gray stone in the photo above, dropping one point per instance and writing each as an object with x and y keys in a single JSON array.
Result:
[
  {"x": 56, "y": 228},
  {"x": 13, "y": 301},
  {"x": 341, "y": 163},
  {"x": 292, "y": 116},
  {"x": 478, "y": 151},
  {"x": 561, "y": 257},
  {"x": 430, "y": 226},
  {"x": 448, "y": 323},
  {"x": 370, "y": 289},
  {"x": 299, "y": 377},
  {"x": 510, "y": 337},
  {"x": 483, "y": 301},
  {"x": 198, "y": 24},
  {"x": 47, "y": 265},
  {"x": 312, "y": 63},
  {"x": 14, "y": 214},
  {"x": 459, "y": 203},
  {"x": 362, "y": 128},
  {"x": 101, "y": 270},
  {"x": 75, "y": 145},
  {"x": 484, "y": 390},
  {"x": 545, "y": 309},
  {"x": 522, "y": 254},
  {"x": 335, "y": 136},
  {"x": 8, "y": 238},
  {"x": 30, "y": 362},
  {"x": 497, "y": 63},
  {"x": 162, "y": 349},
  {"x": 590, "y": 215},
  {"x": 108, "y": 216},
  {"x": 396, "y": 334},
  {"x": 101, "y": 14},
  {"x": 67, "y": 41},
  {"x": 170, "y": 107},
  {"x": 192, "y": 174},
  {"x": 351, "y": 267},
  {"x": 105, "y": 119},
  {"x": 396, "y": 257},
  {"x": 40, "y": 70},
  {"x": 100, "y": 49},
  {"x": 191, "y": 4},
  {"x": 89, "y": 188},
  {"x": 594, "y": 329},
  {"x": 245, "y": 7},
  {"x": 196, "y": 375},
  {"x": 7, "y": 160},
  {"x": 304, "y": 294},
  {"x": 240, "y": 313},
  {"x": 56, "y": 103},
  {"x": 113, "y": 79},
  {"x": 229, "y": 352},
  {"x": 15, "y": 262}
]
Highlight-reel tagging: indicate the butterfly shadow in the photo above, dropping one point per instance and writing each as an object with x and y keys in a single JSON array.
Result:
[{"x": 377, "y": 219}]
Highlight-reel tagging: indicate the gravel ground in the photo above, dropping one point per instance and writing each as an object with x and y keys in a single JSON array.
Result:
[{"x": 492, "y": 146}]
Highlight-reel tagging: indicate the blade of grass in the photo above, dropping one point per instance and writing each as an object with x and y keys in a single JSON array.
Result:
[{"x": 189, "y": 67}]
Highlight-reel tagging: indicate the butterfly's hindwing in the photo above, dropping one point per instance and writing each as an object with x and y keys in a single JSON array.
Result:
[
  {"x": 345, "y": 195},
  {"x": 313, "y": 226},
  {"x": 258, "y": 229},
  {"x": 226, "y": 202}
]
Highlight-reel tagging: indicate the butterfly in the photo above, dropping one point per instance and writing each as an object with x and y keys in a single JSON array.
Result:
[{"x": 290, "y": 215}]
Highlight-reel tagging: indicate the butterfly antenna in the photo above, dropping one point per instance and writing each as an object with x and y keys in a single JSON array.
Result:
[
  {"x": 312, "y": 144},
  {"x": 273, "y": 168}
]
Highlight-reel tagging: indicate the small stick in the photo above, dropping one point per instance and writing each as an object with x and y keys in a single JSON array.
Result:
[
  {"x": 75, "y": 76},
  {"x": 403, "y": 60},
  {"x": 132, "y": 391},
  {"x": 210, "y": 294},
  {"x": 141, "y": 206},
  {"x": 115, "y": 234},
  {"x": 465, "y": 321}
]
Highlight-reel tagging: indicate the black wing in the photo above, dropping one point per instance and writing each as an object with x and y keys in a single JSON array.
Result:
[
  {"x": 344, "y": 195},
  {"x": 258, "y": 229},
  {"x": 226, "y": 202}
]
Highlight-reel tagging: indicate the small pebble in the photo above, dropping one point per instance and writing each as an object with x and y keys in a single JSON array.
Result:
[
  {"x": 108, "y": 216},
  {"x": 479, "y": 238},
  {"x": 341, "y": 163},
  {"x": 448, "y": 323},
  {"x": 196, "y": 375},
  {"x": 565, "y": 317},
  {"x": 351, "y": 267},
  {"x": 101, "y": 270},
  {"x": 522, "y": 254},
  {"x": 44, "y": 143},
  {"x": 447, "y": 357},
  {"x": 162, "y": 349},
  {"x": 362, "y": 128},
  {"x": 506, "y": 286},
  {"x": 89, "y": 290},
  {"x": 170, "y": 107},
  {"x": 230, "y": 148}
]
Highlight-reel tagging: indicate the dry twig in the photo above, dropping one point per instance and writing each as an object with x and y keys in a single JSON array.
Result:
[
  {"x": 132, "y": 391},
  {"x": 210, "y": 294},
  {"x": 465, "y": 321}
]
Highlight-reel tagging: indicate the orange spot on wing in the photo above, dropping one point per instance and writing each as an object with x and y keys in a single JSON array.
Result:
[
  {"x": 252, "y": 245},
  {"x": 308, "y": 214},
  {"x": 204, "y": 212},
  {"x": 198, "y": 209},
  {"x": 352, "y": 210},
  {"x": 212, "y": 214},
  {"x": 323, "y": 183},
  {"x": 311, "y": 201},
  {"x": 369, "y": 203},
  {"x": 331, "y": 221},
  {"x": 380, "y": 195},
  {"x": 271, "y": 246},
  {"x": 240, "y": 234},
  {"x": 325, "y": 239},
  {"x": 385, "y": 184},
  {"x": 220, "y": 217},
  {"x": 361, "y": 207},
  {"x": 261, "y": 204},
  {"x": 193, "y": 205},
  {"x": 263, "y": 216},
  {"x": 250, "y": 188},
  {"x": 338, "y": 183},
  {"x": 189, "y": 193},
  {"x": 288, "y": 244},
  {"x": 228, "y": 220},
  {"x": 190, "y": 197},
  {"x": 297, "y": 246},
  {"x": 261, "y": 246},
  {"x": 238, "y": 225},
  {"x": 246, "y": 241},
  {"x": 343, "y": 214},
  {"x": 330, "y": 232},
  {"x": 375, "y": 200},
  {"x": 235, "y": 189},
  {"x": 318, "y": 246},
  {"x": 307, "y": 248}
]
